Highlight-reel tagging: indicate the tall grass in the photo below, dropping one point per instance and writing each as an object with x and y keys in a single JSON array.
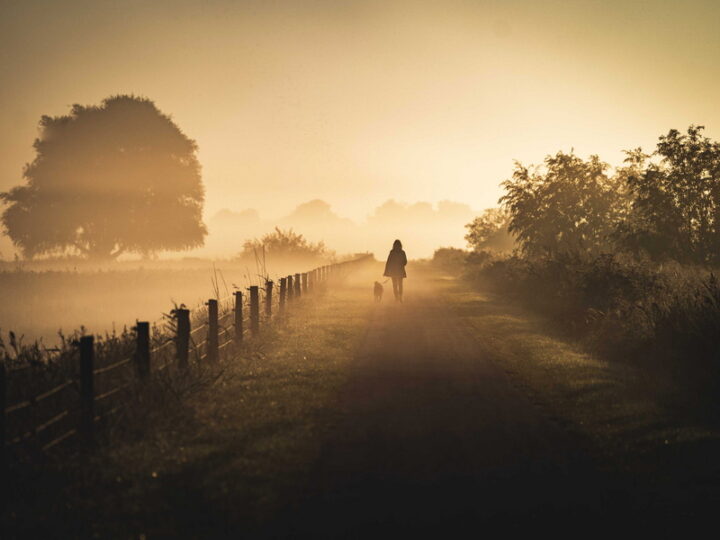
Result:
[
  {"x": 34, "y": 370},
  {"x": 37, "y": 301},
  {"x": 665, "y": 317}
]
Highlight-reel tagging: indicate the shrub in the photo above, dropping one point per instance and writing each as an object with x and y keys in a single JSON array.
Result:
[
  {"x": 285, "y": 244},
  {"x": 665, "y": 316},
  {"x": 450, "y": 259}
]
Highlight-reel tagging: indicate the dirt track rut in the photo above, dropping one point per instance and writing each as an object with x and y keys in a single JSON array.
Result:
[{"x": 436, "y": 439}]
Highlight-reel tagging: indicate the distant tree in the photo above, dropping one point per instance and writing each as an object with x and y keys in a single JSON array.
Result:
[
  {"x": 450, "y": 259},
  {"x": 421, "y": 211},
  {"x": 390, "y": 211},
  {"x": 489, "y": 231},
  {"x": 454, "y": 211},
  {"x": 314, "y": 210},
  {"x": 285, "y": 243},
  {"x": 572, "y": 206},
  {"x": 676, "y": 202},
  {"x": 108, "y": 179}
]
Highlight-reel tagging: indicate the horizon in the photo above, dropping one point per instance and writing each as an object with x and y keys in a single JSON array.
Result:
[
  {"x": 365, "y": 101},
  {"x": 450, "y": 216},
  {"x": 359, "y": 268}
]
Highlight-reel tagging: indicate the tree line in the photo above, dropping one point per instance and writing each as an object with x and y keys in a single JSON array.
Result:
[{"x": 664, "y": 205}]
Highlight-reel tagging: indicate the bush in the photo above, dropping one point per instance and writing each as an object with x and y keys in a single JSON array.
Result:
[
  {"x": 450, "y": 260},
  {"x": 489, "y": 231},
  {"x": 285, "y": 245},
  {"x": 625, "y": 309}
]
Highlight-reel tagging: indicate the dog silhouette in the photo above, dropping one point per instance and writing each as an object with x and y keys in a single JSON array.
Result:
[{"x": 378, "y": 291}]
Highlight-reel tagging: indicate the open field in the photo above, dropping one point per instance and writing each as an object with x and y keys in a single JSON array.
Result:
[
  {"x": 455, "y": 409},
  {"x": 236, "y": 451},
  {"x": 39, "y": 300}
]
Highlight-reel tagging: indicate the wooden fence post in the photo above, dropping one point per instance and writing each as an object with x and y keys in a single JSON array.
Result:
[
  {"x": 213, "y": 351},
  {"x": 290, "y": 288},
  {"x": 238, "y": 317},
  {"x": 296, "y": 283},
  {"x": 254, "y": 310},
  {"x": 182, "y": 340},
  {"x": 305, "y": 283},
  {"x": 87, "y": 391},
  {"x": 142, "y": 353},
  {"x": 310, "y": 280},
  {"x": 283, "y": 292},
  {"x": 268, "y": 298}
]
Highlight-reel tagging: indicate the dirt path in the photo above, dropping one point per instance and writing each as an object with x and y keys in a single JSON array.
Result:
[{"x": 435, "y": 438}]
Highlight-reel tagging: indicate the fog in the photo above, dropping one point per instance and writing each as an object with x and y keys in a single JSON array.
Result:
[
  {"x": 502, "y": 223},
  {"x": 356, "y": 101},
  {"x": 41, "y": 297},
  {"x": 38, "y": 300},
  {"x": 422, "y": 226}
]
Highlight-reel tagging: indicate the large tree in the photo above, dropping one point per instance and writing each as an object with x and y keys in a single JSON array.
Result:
[
  {"x": 676, "y": 200},
  {"x": 489, "y": 231},
  {"x": 108, "y": 179},
  {"x": 570, "y": 205}
]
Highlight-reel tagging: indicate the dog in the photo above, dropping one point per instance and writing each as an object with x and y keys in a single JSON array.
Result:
[{"x": 378, "y": 291}]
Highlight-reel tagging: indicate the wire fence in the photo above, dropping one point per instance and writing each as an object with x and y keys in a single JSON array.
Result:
[{"x": 46, "y": 404}]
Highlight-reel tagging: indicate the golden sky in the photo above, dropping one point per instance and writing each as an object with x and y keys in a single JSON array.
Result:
[{"x": 355, "y": 102}]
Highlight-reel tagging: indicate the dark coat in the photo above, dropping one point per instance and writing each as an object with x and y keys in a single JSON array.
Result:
[{"x": 395, "y": 265}]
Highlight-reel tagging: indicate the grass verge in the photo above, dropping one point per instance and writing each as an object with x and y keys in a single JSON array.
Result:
[
  {"x": 629, "y": 418},
  {"x": 224, "y": 460}
]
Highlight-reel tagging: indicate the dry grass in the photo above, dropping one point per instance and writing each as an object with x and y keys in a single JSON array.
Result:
[
  {"x": 629, "y": 417},
  {"x": 237, "y": 449}
]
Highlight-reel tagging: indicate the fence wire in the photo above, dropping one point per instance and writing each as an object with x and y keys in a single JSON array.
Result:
[{"x": 225, "y": 327}]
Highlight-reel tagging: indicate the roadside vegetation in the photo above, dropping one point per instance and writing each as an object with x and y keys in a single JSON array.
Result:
[
  {"x": 284, "y": 245},
  {"x": 39, "y": 298},
  {"x": 225, "y": 451},
  {"x": 624, "y": 260}
]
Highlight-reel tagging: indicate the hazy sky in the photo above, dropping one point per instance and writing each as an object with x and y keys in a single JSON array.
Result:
[{"x": 355, "y": 102}]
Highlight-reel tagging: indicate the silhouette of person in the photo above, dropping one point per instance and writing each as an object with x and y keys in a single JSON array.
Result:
[{"x": 395, "y": 269}]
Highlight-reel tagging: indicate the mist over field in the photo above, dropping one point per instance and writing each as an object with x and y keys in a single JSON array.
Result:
[
  {"x": 359, "y": 269},
  {"x": 423, "y": 227},
  {"x": 41, "y": 297},
  {"x": 38, "y": 301}
]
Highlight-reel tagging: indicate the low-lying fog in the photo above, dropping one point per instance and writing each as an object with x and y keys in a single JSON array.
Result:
[
  {"x": 421, "y": 226},
  {"x": 39, "y": 298}
]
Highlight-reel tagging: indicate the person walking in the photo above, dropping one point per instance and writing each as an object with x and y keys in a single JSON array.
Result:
[{"x": 395, "y": 269}]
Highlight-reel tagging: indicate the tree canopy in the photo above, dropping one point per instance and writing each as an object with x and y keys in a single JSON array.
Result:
[
  {"x": 665, "y": 205},
  {"x": 108, "y": 179},
  {"x": 569, "y": 206},
  {"x": 489, "y": 231},
  {"x": 675, "y": 211},
  {"x": 285, "y": 243}
]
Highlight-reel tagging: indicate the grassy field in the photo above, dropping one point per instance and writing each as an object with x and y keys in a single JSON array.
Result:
[
  {"x": 38, "y": 300},
  {"x": 639, "y": 425},
  {"x": 246, "y": 446},
  {"x": 238, "y": 448}
]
